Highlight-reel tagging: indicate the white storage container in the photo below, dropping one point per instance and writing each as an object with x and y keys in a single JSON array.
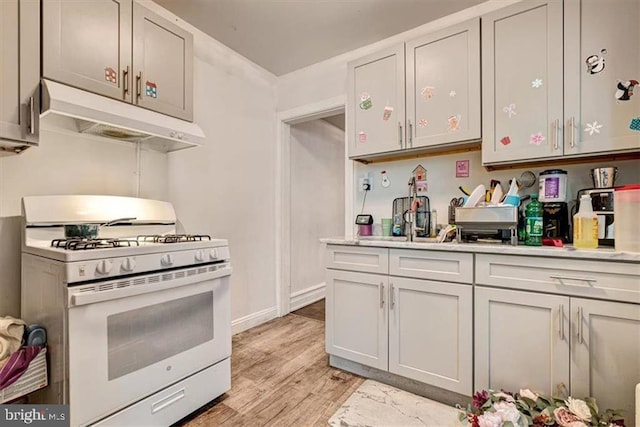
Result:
[
  {"x": 626, "y": 205},
  {"x": 553, "y": 186}
]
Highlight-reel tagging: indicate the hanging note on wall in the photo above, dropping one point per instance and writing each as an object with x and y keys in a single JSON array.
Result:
[{"x": 462, "y": 168}]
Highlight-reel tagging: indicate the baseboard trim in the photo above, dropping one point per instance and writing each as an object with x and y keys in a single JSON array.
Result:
[
  {"x": 307, "y": 296},
  {"x": 253, "y": 319}
]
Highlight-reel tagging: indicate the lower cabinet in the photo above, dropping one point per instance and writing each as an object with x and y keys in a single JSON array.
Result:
[
  {"x": 430, "y": 332},
  {"x": 416, "y": 328},
  {"x": 542, "y": 342}
]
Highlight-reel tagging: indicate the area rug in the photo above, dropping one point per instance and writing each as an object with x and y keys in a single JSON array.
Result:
[{"x": 377, "y": 404}]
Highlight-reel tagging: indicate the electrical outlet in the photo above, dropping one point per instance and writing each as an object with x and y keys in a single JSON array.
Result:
[{"x": 365, "y": 183}]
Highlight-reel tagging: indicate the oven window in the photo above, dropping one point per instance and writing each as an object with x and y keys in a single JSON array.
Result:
[{"x": 142, "y": 337}]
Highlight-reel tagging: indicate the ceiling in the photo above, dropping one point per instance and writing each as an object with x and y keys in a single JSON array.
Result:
[{"x": 285, "y": 35}]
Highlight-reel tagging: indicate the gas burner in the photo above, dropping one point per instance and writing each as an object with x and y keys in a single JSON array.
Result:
[
  {"x": 77, "y": 243},
  {"x": 173, "y": 238}
]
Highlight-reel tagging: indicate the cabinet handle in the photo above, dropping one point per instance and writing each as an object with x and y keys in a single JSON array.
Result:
[
  {"x": 410, "y": 134},
  {"x": 556, "y": 128},
  {"x": 400, "y": 133},
  {"x": 583, "y": 279},
  {"x": 138, "y": 86},
  {"x": 381, "y": 295},
  {"x": 561, "y": 321},
  {"x": 32, "y": 116},
  {"x": 392, "y": 303},
  {"x": 125, "y": 82},
  {"x": 579, "y": 328},
  {"x": 572, "y": 126}
]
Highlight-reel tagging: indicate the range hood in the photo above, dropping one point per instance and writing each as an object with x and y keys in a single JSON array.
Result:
[{"x": 67, "y": 108}]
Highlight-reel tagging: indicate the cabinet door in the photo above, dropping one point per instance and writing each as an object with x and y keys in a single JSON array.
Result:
[
  {"x": 430, "y": 333},
  {"x": 601, "y": 58},
  {"x": 605, "y": 356},
  {"x": 443, "y": 86},
  {"x": 357, "y": 323},
  {"x": 522, "y": 82},
  {"x": 521, "y": 340},
  {"x": 19, "y": 69},
  {"x": 375, "y": 100},
  {"x": 87, "y": 44},
  {"x": 163, "y": 63}
]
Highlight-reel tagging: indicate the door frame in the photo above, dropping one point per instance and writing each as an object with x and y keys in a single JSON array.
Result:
[{"x": 285, "y": 119}]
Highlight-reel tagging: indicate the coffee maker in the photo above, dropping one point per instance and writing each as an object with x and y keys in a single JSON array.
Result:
[
  {"x": 555, "y": 220},
  {"x": 602, "y": 202}
]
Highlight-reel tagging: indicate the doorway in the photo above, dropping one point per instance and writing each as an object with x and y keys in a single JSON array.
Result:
[{"x": 313, "y": 175}]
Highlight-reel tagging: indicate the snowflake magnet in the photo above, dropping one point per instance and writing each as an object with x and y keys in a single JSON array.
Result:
[
  {"x": 593, "y": 128},
  {"x": 536, "y": 139},
  {"x": 510, "y": 110},
  {"x": 536, "y": 84},
  {"x": 423, "y": 123}
]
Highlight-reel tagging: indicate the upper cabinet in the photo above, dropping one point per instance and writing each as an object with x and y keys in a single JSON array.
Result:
[
  {"x": 119, "y": 49},
  {"x": 19, "y": 74},
  {"x": 567, "y": 93},
  {"x": 417, "y": 95}
]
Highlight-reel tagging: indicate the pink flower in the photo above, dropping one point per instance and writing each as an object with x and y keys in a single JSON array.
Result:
[
  {"x": 566, "y": 419},
  {"x": 479, "y": 398}
]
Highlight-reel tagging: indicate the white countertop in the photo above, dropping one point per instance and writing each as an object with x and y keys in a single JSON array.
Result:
[{"x": 600, "y": 254}]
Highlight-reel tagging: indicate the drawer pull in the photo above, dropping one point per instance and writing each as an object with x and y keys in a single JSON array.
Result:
[
  {"x": 581, "y": 279},
  {"x": 167, "y": 401},
  {"x": 579, "y": 326},
  {"x": 381, "y": 294},
  {"x": 561, "y": 321}
]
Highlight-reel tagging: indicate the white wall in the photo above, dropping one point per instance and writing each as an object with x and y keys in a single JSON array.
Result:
[
  {"x": 443, "y": 184},
  {"x": 226, "y": 188},
  {"x": 66, "y": 164},
  {"x": 317, "y": 203}
]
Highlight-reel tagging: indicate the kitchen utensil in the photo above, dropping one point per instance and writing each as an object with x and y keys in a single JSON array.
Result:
[
  {"x": 464, "y": 190},
  {"x": 496, "y": 197},
  {"x": 527, "y": 179},
  {"x": 604, "y": 177},
  {"x": 512, "y": 200},
  {"x": 476, "y": 196},
  {"x": 513, "y": 188},
  {"x": 89, "y": 231},
  {"x": 456, "y": 201}
]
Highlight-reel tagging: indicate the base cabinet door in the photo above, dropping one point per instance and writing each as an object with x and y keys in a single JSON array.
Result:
[
  {"x": 357, "y": 323},
  {"x": 605, "y": 356},
  {"x": 521, "y": 341},
  {"x": 430, "y": 333}
]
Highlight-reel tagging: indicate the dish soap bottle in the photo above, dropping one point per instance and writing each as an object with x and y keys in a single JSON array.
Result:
[
  {"x": 533, "y": 222},
  {"x": 585, "y": 225}
]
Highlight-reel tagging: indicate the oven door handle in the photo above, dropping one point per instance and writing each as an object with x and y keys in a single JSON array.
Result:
[{"x": 84, "y": 297}]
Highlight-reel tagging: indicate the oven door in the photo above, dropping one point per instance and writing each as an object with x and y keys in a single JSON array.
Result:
[{"x": 130, "y": 338}]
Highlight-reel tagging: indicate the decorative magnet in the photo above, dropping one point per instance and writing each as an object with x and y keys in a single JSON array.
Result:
[
  {"x": 386, "y": 114},
  {"x": 454, "y": 122},
  {"x": 536, "y": 84},
  {"x": 362, "y": 137},
  {"x": 151, "y": 89},
  {"x": 595, "y": 63},
  {"x": 625, "y": 89},
  {"x": 593, "y": 128},
  {"x": 462, "y": 168},
  {"x": 452, "y": 93},
  {"x": 536, "y": 139},
  {"x": 510, "y": 110},
  {"x": 635, "y": 124},
  {"x": 427, "y": 92},
  {"x": 421, "y": 186},
  {"x": 423, "y": 123},
  {"x": 420, "y": 173},
  {"x": 366, "y": 104},
  {"x": 110, "y": 75},
  {"x": 505, "y": 141},
  {"x": 385, "y": 179}
]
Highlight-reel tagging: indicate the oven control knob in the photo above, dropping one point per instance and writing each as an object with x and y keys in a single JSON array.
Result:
[
  {"x": 201, "y": 256},
  {"x": 166, "y": 260},
  {"x": 213, "y": 254},
  {"x": 103, "y": 266},
  {"x": 128, "y": 264}
]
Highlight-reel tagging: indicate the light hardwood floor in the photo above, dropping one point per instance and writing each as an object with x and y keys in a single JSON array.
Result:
[{"x": 280, "y": 376}]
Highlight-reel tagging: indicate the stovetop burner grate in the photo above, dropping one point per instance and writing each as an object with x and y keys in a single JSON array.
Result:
[
  {"x": 78, "y": 244},
  {"x": 173, "y": 238}
]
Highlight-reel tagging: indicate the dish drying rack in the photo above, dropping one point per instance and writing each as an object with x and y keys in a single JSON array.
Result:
[
  {"x": 402, "y": 205},
  {"x": 34, "y": 378}
]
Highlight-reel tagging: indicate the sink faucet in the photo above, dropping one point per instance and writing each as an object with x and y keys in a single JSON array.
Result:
[{"x": 415, "y": 203}]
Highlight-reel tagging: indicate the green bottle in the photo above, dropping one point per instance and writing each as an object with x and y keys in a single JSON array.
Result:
[{"x": 533, "y": 222}]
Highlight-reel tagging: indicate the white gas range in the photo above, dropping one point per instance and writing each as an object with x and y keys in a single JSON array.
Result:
[{"x": 138, "y": 319}]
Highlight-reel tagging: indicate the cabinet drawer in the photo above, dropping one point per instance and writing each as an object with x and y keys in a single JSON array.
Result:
[
  {"x": 356, "y": 258},
  {"x": 432, "y": 265},
  {"x": 592, "y": 279}
]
